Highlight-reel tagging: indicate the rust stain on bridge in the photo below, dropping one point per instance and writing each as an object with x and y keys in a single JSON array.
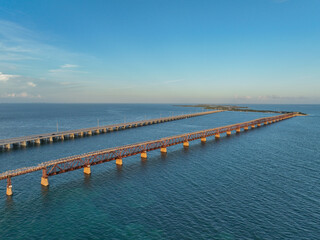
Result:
[{"x": 86, "y": 160}]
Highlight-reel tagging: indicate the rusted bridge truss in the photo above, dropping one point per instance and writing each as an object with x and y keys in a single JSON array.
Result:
[{"x": 86, "y": 160}]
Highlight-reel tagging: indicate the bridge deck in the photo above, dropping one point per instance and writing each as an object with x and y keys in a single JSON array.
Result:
[
  {"x": 84, "y": 160},
  {"x": 6, "y": 143}
]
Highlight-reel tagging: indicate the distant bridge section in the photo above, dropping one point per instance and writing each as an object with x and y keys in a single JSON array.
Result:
[
  {"x": 60, "y": 136},
  {"x": 87, "y": 160}
]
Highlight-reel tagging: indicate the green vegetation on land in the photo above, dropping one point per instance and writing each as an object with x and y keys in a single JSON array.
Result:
[{"x": 236, "y": 108}]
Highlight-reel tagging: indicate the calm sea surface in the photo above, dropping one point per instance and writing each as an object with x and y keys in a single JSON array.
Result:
[{"x": 260, "y": 184}]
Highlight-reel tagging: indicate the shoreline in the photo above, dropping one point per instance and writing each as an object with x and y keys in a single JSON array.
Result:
[{"x": 237, "y": 109}]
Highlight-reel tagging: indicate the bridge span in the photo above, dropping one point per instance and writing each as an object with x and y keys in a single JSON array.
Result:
[
  {"x": 116, "y": 154},
  {"x": 71, "y": 134}
]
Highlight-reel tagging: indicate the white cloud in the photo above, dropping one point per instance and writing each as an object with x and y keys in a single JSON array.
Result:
[
  {"x": 69, "y": 66},
  {"x": 242, "y": 97},
  {"x": 66, "y": 68},
  {"x": 6, "y": 77},
  {"x": 31, "y": 84},
  {"x": 20, "y": 95},
  {"x": 174, "y": 81}
]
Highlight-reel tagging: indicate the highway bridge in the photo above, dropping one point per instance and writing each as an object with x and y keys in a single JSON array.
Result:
[
  {"x": 116, "y": 154},
  {"x": 60, "y": 136}
]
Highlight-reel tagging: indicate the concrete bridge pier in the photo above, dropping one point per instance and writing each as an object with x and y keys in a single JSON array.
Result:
[
  {"x": 217, "y": 135},
  {"x": 246, "y": 128},
  {"x": 44, "y": 178},
  {"x": 228, "y": 133},
  {"x": 89, "y": 133},
  {"x": 119, "y": 161},
  {"x": 259, "y": 124},
  {"x": 23, "y": 144},
  {"x": 80, "y": 134},
  {"x": 104, "y": 130},
  {"x": 253, "y": 126},
  {"x": 71, "y": 136},
  {"x": 238, "y": 130},
  {"x": 87, "y": 169},
  {"x": 37, "y": 141},
  {"x": 265, "y": 123},
  {"x": 163, "y": 150},
  {"x": 50, "y": 139},
  {"x": 270, "y": 122},
  {"x": 186, "y": 144},
  {"x": 144, "y": 155},
  {"x": 97, "y": 131},
  {"x": 7, "y": 146},
  {"x": 110, "y": 129},
  {"x": 203, "y": 139},
  {"x": 62, "y": 137},
  {"x": 9, "y": 187}
]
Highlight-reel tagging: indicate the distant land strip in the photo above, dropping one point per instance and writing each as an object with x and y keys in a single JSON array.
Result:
[
  {"x": 20, "y": 142},
  {"x": 237, "y": 109}
]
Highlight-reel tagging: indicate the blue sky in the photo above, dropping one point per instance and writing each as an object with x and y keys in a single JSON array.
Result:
[{"x": 160, "y": 51}]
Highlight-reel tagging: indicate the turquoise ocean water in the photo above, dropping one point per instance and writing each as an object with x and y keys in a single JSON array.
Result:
[{"x": 260, "y": 184}]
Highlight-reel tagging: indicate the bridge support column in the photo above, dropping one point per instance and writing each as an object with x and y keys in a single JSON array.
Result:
[
  {"x": 110, "y": 129},
  {"x": 71, "y": 135},
  {"x": 163, "y": 150},
  {"x": 203, "y": 139},
  {"x": 37, "y": 141},
  {"x": 186, "y": 144},
  {"x": 217, "y": 136},
  {"x": 270, "y": 122},
  {"x": 7, "y": 146},
  {"x": 119, "y": 161},
  {"x": 144, "y": 155},
  {"x": 246, "y": 128},
  {"x": 80, "y": 134},
  {"x": 23, "y": 144},
  {"x": 89, "y": 133},
  {"x": 87, "y": 169},
  {"x": 265, "y": 123},
  {"x": 253, "y": 126},
  {"x": 104, "y": 130},
  {"x": 259, "y": 124},
  {"x": 50, "y": 139},
  {"x": 97, "y": 131},
  {"x": 228, "y": 133},
  {"x": 62, "y": 137},
  {"x": 9, "y": 187},
  {"x": 238, "y": 130},
  {"x": 44, "y": 178}
]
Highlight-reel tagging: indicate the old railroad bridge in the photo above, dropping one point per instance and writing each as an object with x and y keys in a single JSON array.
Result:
[
  {"x": 116, "y": 154},
  {"x": 60, "y": 136}
]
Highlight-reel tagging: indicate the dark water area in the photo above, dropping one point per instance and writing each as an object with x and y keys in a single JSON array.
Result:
[{"x": 260, "y": 184}]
